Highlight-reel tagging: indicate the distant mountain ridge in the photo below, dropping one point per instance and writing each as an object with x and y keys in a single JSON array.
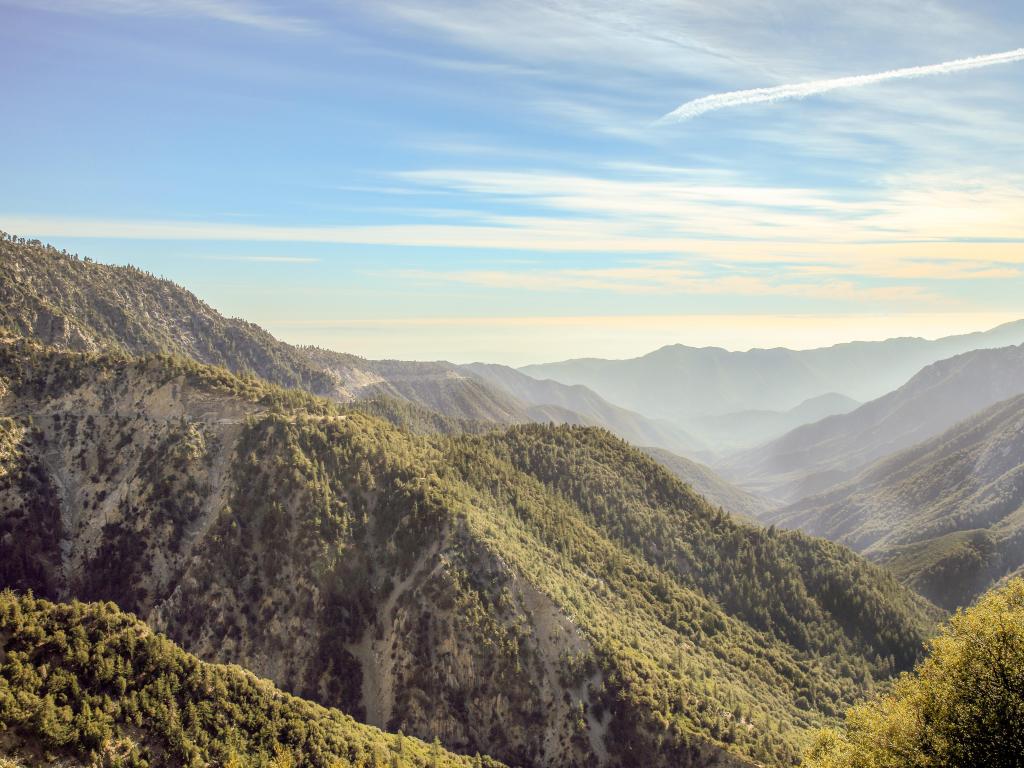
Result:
[
  {"x": 591, "y": 409},
  {"x": 81, "y": 305},
  {"x": 440, "y": 386},
  {"x": 816, "y": 456},
  {"x": 947, "y": 515},
  {"x": 746, "y": 429},
  {"x": 682, "y": 383}
]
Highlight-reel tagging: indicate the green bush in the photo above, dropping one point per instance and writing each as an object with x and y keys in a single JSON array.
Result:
[{"x": 963, "y": 706}]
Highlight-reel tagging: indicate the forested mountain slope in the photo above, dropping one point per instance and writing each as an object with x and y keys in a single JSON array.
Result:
[
  {"x": 82, "y": 305},
  {"x": 731, "y": 432},
  {"x": 947, "y": 515},
  {"x": 817, "y": 456},
  {"x": 716, "y": 489},
  {"x": 591, "y": 409},
  {"x": 86, "y": 684},
  {"x": 544, "y": 595},
  {"x": 679, "y": 382}
]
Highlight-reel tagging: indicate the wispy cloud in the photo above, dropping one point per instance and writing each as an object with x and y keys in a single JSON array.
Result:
[
  {"x": 937, "y": 217},
  {"x": 264, "y": 259},
  {"x": 675, "y": 279},
  {"x": 241, "y": 12},
  {"x": 927, "y": 324},
  {"x": 604, "y": 63},
  {"x": 644, "y": 40},
  {"x": 716, "y": 101}
]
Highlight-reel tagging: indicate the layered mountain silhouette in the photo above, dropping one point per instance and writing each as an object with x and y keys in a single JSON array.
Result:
[
  {"x": 688, "y": 385},
  {"x": 582, "y": 406},
  {"x": 947, "y": 515},
  {"x": 79, "y": 304},
  {"x": 539, "y": 594},
  {"x": 814, "y": 457},
  {"x": 732, "y": 432}
]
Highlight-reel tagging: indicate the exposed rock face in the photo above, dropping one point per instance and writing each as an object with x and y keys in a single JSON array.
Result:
[
  {"x": 81, "y": 305},
  {"x": 145, "y": 487},
  {"x": 548, "y": 596}
]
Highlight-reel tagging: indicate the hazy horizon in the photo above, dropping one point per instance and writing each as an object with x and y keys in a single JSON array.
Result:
[
  {"x": 532, "y": 182},
  {"x": 525, "y": 340},
  {"x": 778, "y": 331}
]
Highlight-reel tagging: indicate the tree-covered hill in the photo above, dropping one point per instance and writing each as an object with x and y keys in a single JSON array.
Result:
[
  {"x": 712, "y": 486},
  {"x": 545, "y": 595},
  {"x": 946, "y": 515},
  {"x": 78, "y": 304},
  {"x": 963, "y": 706},
  {"x": 85, "y": 684}
]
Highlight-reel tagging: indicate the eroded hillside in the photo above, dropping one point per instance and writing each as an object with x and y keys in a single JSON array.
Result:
[{"x": 549, "y": 596}]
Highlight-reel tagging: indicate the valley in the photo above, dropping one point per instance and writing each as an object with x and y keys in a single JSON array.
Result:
[
  {"x": 536, "y": 384},
  {"x": 425, "y": 548}
]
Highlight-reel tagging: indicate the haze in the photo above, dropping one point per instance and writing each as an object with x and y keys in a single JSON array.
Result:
[{"x": 485, "y": 181}]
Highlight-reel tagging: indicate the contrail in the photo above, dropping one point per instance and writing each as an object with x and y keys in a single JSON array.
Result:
[{"x": 715, "y": 101}]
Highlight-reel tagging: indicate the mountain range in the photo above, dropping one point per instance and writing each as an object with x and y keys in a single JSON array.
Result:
[
  {"x": 540, "y": 594},
  {"x": 688, "y": 385},
  {"x": 733, "y": 432},
  {"x": 946, "y": 515},
  {"x": 79, "y": 304},
  {"x": 814, "y": 457},
  {"x": 520, "y": 567},
  {"x": 582, "y": 406}
]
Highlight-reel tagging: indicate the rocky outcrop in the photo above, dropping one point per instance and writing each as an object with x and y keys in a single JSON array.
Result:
[
  {"x": 548, "y": 596},
  {"x": 163, "y": 495}
]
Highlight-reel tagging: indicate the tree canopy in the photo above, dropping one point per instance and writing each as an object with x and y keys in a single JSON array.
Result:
[{"x": 962, "y": 706}]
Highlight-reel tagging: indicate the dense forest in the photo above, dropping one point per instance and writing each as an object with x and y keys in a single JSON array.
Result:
[
  {"x": 561, "y": 571},
  {"x": 962, "y": 706},
  {"x": 87, "y": 684}
]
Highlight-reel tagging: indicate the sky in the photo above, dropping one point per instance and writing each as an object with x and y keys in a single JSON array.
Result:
[{"x": 536, "y": 180}]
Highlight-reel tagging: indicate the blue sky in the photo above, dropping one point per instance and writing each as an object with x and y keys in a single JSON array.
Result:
[{"x": 489, "y": 180}]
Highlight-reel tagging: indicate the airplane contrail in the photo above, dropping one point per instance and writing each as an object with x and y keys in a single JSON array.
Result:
[{"x": 715, "y": 101}]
